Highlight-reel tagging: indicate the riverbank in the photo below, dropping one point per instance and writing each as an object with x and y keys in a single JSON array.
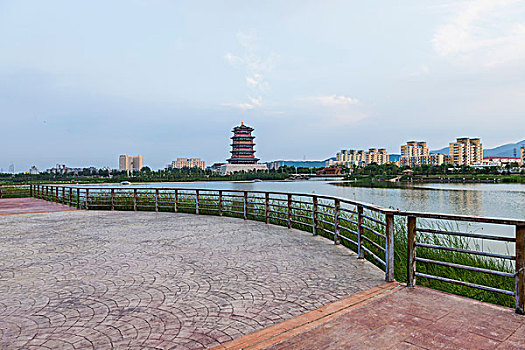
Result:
[{"x": 408, "y": 181}]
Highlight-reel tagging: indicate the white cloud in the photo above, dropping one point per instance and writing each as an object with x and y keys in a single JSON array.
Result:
[
  {"x": 254, "y": 102},
  {"x": 255, "y": 69},
  {"x": 334, "y": 100},
  {"x": 335, "y": 109},
  {"x": 483, "y": 32}
]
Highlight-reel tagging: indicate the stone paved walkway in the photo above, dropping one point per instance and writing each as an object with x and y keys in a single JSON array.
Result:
[
  {"x": 87, "y": 279},
  {"x": 10, "y": 206},
  {"x": 396, "y": 318}
]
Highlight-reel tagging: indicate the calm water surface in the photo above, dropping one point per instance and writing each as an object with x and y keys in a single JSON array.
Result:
[
  {"x": 494, "y": 200},
  {"x": 489, "y": 200}
]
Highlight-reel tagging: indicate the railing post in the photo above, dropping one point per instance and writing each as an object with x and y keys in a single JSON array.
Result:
[
  {"x": 135, "y": 199},
  {"x": 0, "y": 191},
  {"x": 70, "y": 196},
  {"x": 389, "y": 249},
  {"x": 267, "y": 207},
  {"x": 112, "y": 199},
  {"x": 87, "y": 198},
  {"x": 175, "y": 207},
  {"x": 63, "y": 195},
  {"x": 56, "y": 195},
  {"x": 197, "y": 202},
  {"x": 360, "y": 235},
  {"x": 157, "y": 201},
  {"x": 314, "y": 215},
  {"x": 337, "y": 208},
  {"x": 220, "y": 203},
  {"x": 30, "y": 190},
  {"x": 245, "y": 205},
  {"x": 78, "y": 198},
  {"x": 520, "y": 269},
  {"x": 47, "y": 193},
  {"x": 289, "y": 211},
  {"x": 411, "y": 251}
]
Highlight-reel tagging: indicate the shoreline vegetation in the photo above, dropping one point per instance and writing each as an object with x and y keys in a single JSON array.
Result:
[{"x": 373, "y": 175}]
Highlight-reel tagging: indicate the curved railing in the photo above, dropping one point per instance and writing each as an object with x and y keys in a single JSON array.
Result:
[
  {"x": 446, "y": 256},
  {"x": 15, "y": 191}
]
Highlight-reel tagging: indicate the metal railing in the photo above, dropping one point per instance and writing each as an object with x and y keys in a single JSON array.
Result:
[
  {"x": 15, "y": 191},
  {"x": 368, "y": 229}
]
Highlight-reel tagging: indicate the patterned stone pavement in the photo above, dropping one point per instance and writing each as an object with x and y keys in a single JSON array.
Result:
[
  {"x": 10, "y": 206},
  {"x": 87, "y": 279}
]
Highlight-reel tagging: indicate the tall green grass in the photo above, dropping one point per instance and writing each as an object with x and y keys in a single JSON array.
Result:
[{"x": 15, "y": 191}]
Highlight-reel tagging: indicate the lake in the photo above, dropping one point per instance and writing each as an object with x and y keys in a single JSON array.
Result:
[
  {"x": 475, "y": 199},
  {"x": 479, "y": 199}
]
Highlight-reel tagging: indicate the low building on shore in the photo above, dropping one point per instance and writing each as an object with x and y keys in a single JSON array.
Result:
[
  {"x": 498, "y": 161},
  {"x": 228, "y": 169},
  {"x": 361, "y": 158},
  {"x": 182, "y": 163}
]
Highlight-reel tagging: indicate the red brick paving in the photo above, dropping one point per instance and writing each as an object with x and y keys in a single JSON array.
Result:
[
  {"x": 404, "y": 318},
  {"x": 10, "y": 206}
]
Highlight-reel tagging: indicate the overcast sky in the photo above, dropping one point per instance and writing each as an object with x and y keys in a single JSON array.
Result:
[{"x": 84, "y": 81}]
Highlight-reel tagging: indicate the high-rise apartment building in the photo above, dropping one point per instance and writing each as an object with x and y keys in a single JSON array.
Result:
[
  {"x": 350, "y": 158},
  {"x": 465, "y": 151},
  {"x": 414, "y": 149},
  {"x": 129, "y": 163},
  {"x": 417, "y": 153},
  {"x": 522, "y": 156},
  {"x": 188, "y": 163}
]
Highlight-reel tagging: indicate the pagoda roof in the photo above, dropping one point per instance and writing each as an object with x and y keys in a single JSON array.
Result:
[{"x": 243, "y": 128}]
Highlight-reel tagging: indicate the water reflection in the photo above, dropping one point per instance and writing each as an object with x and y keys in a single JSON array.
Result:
[{"x": 495, "y": 200}]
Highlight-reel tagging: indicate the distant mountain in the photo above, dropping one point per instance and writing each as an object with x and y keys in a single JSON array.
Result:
[
  {"x": 506, "y": 150},
  {"x": 444, "y": 150}
]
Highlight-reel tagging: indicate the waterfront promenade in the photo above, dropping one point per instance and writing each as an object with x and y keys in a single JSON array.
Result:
[
  {"x": 91, "y": 279},
  {"x": 107, "y": 279}
]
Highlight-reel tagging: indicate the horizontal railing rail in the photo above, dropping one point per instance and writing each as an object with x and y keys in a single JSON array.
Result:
[
  {"x": 442, "y": 255},
  {"x": 15, "y": 191}
]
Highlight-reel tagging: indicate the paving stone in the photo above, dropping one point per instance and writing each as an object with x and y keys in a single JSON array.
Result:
[{"x": 89, "y": 279}]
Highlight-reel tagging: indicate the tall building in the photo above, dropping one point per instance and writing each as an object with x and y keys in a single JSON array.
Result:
[
  {"x": 242, "y": 146},
  {"x": 417, "y": 153},
  {"x": 34, "y": 170},
  {"x": 129, "y": 163},
  {"x": 414, "y": 149},
  {"x": 350, "y": 158},
  {"x": 466, "y": 151},
  {"x": 187, "y": 163},
  {"x": 522, "y": 156},
  {"x": 242, "y": 152}
]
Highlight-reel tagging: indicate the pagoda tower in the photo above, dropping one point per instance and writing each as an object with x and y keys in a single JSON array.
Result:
[{"x": 242, "y": 146}]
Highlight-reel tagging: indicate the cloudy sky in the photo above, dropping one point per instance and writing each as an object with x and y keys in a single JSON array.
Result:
[{"x": 84, "y": 81}]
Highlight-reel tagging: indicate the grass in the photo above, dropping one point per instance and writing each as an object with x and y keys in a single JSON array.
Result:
[
  {"x": 15, "y": 191},
  {"x": 302, "y": 220}
]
